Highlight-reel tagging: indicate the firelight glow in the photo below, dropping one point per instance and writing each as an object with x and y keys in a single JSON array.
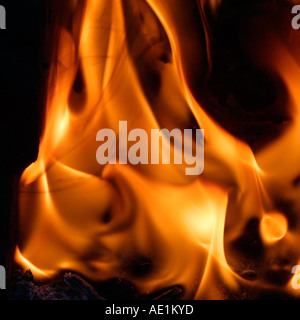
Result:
[{"x": 142, "y": 62}]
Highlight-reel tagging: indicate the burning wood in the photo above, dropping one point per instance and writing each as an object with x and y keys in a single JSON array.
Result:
[{"x": 71, "y": 286}]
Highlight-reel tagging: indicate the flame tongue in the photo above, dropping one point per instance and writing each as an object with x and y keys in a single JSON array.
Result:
[{"x": 131, "y": 61}]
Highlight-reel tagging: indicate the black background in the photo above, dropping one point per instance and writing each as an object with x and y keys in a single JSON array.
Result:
[{"x": 22, "y": 76}]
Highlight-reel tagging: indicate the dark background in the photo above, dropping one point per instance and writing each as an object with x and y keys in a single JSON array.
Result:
[{"x": 22, "y": 76}]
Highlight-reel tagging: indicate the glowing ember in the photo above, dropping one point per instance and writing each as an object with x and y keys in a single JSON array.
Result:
[{"x": 148, "y": 63}]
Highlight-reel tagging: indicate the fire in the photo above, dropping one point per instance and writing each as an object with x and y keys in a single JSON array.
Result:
[
  {"x": 133, "y": 61},
  {"x": 273, "y": 227}
]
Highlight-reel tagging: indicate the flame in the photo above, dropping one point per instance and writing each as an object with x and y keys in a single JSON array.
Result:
[
  {"x": 273, "y": 227},
  {"x": 102, "y": 220}
]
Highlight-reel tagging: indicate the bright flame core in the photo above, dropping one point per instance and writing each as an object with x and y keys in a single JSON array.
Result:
[{"x": 101, "y": 220}]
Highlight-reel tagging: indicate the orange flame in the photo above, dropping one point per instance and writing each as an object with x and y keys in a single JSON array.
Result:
[{"x": 99, "y": 220}]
